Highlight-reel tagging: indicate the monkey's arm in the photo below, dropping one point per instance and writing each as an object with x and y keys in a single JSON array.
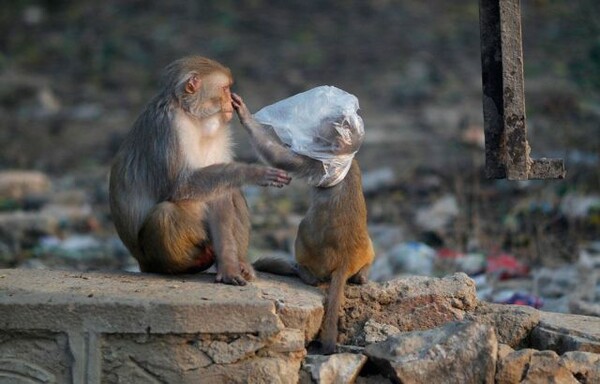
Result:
[
  {"x": 214, "y": 180},
  {"x": 270, "y": 147}
]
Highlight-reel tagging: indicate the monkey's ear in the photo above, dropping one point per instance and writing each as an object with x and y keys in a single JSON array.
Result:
[{"x": 193, "y": 84}]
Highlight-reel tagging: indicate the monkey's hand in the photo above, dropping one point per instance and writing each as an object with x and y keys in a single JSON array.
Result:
[
  {"x": 240, "y": 107},
  {"x": 271, "y": 177}
]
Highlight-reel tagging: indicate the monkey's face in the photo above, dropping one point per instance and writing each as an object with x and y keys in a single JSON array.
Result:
[
  {"x": 214, "y": 96},
  {"x": 337, "y": 136}
]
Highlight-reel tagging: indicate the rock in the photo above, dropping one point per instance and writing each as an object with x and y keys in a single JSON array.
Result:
[
  {"x": 546, "y": 367},
  {"x": 413, "y": 303},
  {"x": 513, "y": 323},
  {"x": 585, "y": 366},
  {"x": 375, "y": 332},
  {"x": 296, "y": 311},
  {"x": 504, "y": 350},
  {"x": 563, "y": 333},
  {"x": 531, "y": 366},
  {"x": 177, "y": 359},
  {"x": 512, "y": 366},
  {"x": 288, "y": 340},
  {"x": 60, "y": 326},
  {"x": 340, "y": 368},
  {"x": 458, "y": 352},
  {"x": 222, "y": 352},
  {"x": 580, "y": 307}
]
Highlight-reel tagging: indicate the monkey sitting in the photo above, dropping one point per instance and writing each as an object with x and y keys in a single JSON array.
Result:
[
  {"x": 332, "y": 241},
  {"x": 175, "y": 194}
]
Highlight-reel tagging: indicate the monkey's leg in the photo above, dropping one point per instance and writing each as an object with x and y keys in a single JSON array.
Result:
[
  {"x": 221, "y": 224},
  {"x": 241, "y": 232},
  {"x": 173, "y": 240},
  {"x": 304, "y": 257}
]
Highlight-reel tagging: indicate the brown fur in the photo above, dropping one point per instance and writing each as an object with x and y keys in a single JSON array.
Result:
[
  {"x": 175, "y": 193},
  {"x": 332, "y": 242}
]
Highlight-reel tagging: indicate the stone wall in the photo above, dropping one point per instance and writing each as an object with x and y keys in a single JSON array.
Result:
[
  {"x": 61, "y": 327},
  {"x": 68, "y": 327}
]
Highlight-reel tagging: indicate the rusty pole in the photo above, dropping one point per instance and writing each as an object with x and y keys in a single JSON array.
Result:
[{"x": 506, "y": 147}]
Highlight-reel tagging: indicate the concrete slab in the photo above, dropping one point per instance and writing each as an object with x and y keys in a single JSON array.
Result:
[
  {"x": 134, "y": 302},
  {"x": 63, "y": 326}
]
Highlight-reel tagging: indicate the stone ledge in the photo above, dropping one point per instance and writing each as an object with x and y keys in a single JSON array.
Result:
[
  {"x": 61, "y": 326},
  {"x": 141, "y": 303}
]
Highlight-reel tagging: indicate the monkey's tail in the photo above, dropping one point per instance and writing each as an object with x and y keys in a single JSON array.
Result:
[
  {"x": 335, "y": 297},
  {"x": 276, "y": 264}
]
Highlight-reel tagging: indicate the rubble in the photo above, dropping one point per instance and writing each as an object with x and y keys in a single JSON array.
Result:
[{"x": 461, "y": 352}]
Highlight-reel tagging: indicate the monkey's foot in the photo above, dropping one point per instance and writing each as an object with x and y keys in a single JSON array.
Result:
[
  {"x": 232, "y": 276},
  {"x": 247, "y": 271}
]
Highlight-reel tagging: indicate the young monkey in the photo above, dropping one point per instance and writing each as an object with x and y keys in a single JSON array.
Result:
[
  {"x": 175, "y": 194},
  {"x": 332, "y": 241}
]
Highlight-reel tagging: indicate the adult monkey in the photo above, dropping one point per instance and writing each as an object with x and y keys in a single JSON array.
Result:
[{"x": 175, "y": 193}]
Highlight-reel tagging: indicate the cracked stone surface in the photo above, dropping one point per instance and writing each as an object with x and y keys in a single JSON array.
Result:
[{"x": 143, "y": 328}]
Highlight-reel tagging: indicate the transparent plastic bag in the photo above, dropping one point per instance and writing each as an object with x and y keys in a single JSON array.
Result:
[{"x": 321, "y": 123}]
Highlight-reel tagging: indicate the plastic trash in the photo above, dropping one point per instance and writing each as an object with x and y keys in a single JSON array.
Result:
[
  {"x": 321, "y": 123},
  {"x": 522, "y": 298},
  {"x": 412, "y": 257},
  {"x": 449, "y": 260},
  {"x": 506, "y": 267}
]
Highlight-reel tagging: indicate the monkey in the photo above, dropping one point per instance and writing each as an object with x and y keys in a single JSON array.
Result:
[
  {"x": 332, "y": 242},
  {"x": 174, "y": 189}
]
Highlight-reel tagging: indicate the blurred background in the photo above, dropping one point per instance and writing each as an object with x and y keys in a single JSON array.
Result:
[{"x": 74, "y": 76}]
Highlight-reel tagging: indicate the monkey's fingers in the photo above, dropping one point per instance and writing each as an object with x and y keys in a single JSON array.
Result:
[
  {"x": 276, "y": 178},
  {"x": 238, "y": 104},
  {"x": 230, "y": 279},
  {"x": 237, "y": 101},
  {"x": 237, "y": 98}
]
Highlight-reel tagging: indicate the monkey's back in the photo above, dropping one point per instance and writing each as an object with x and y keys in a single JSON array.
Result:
[{"x": 333, "y": 233}]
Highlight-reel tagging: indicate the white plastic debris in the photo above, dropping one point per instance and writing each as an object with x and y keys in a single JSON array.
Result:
[{"x": 321, "y": 123}]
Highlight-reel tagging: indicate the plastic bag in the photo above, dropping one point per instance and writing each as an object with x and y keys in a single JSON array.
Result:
[{"x": 321, "y": 123}]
